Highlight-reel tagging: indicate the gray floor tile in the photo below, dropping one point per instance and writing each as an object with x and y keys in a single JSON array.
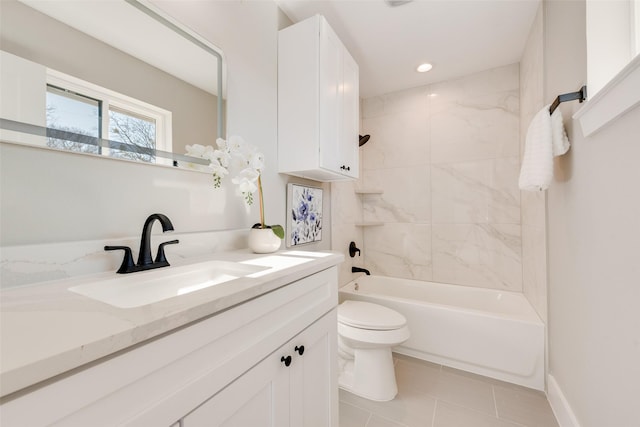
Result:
[
  {"x": 411, "y": 408},
  {"x": 450, "y": 415},
  {"x": 377, "y": 421},
  {"x": 350, "y": 416},
  {"x": 465, "y": 391},
  {"x": 527, "y": 407},
  {"x": 434, "y": 396}
]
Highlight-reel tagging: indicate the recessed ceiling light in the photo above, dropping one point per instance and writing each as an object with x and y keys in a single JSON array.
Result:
[
  {"x": 394, "y": 3},
  {"x": 423, "y": 68}
]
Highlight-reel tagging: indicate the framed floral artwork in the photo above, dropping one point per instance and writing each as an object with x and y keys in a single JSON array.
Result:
[{"x": 304, "y": 215}]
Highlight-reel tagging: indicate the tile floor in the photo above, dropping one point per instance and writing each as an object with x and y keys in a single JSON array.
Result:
[{"x": 431, "y": 395}]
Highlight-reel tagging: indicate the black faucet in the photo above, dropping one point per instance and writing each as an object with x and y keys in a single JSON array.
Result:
[
  {"x": 360, "y": 270},
  {"x": 145, "y": 260}
]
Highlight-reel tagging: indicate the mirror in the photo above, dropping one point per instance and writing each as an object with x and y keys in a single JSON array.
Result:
[{"x": 118, "y": 78}]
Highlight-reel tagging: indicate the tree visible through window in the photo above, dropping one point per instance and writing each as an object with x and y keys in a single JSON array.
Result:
[
  {"x": 71, "y": 112},
  {"x": 132, "y": 129}
]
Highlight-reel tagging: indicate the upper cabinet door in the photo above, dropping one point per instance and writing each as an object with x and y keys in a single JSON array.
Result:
[
  {"x": 330, "y": 103},
  {"x": 318, "y": 104},
  {"x": 350, "y": 115}
]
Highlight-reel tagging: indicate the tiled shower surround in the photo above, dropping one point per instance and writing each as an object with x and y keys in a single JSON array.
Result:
[{"x": 446, "y": 157}]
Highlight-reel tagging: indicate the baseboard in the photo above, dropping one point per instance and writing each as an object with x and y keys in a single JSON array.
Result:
[{"x": 559, "y": 404}]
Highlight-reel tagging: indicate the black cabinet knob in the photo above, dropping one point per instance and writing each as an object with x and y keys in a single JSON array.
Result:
[
  {"x": 300, "y": 350},
  {"x": 286, "y": 360}
]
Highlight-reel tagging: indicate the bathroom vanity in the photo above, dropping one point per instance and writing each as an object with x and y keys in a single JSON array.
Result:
[{"x": 255, "y": 350}]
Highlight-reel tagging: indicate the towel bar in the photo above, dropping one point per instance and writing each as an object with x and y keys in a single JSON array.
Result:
[{"x": 580, "y": 95}]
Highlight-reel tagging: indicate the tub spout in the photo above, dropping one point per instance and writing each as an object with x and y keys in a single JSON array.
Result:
[{"x": 360, "y": 270}]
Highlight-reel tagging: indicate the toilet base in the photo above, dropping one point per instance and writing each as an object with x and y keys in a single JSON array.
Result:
[{"x": 369, "y": 374}]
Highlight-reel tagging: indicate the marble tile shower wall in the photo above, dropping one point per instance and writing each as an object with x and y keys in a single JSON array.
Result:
[
  {"x": 534, "y": 243},
  {"x": 447, "y": 158}
]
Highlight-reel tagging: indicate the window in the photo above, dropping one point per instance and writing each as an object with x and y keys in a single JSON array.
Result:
[
  {"x": 613, "y": 63},
  {"x": 613, "y": 39},
  {"x": 635, "y": 16},
  {"x": 83, "y": 108},
  {"x": 75, "y": 113}
]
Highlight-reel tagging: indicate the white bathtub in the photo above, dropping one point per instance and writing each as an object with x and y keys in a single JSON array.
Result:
[{"x": 489, "y": 332}]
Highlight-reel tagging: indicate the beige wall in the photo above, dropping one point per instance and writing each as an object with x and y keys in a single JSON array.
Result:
[
  {"x": 34, "y": 36},
  {"x": 593, "y": 238}
]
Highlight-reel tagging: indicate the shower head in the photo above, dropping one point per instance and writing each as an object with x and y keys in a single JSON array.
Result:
[{"x": 363, "y": 140}]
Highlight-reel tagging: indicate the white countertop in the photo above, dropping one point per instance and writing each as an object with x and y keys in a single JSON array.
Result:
[{"x": 47, "y": 330}]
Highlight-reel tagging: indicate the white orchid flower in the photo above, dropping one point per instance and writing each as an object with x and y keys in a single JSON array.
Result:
[
  {"x": 236, "y": 144},
  {"x": 232, "y": 155},
  {"x": 256, "y": 161},
  {"x": 219, "y": 170},
  {"x": 246, "y": 180},
  {"x": 222, "y": 157},
  {"x": 222, "y": 144},
  {"x": 197, "y": 150}
]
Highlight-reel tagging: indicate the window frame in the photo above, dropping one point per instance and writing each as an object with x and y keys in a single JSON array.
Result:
[
  {"x": 619, "y": 94},
  {"x": 110, "y": 98}
]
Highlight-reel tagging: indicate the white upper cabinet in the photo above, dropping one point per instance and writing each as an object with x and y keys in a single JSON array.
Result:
[{"x": 318, "y": 103}]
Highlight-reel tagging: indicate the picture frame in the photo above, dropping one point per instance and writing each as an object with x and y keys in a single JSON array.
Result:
[{"x": 304, "y": 215}]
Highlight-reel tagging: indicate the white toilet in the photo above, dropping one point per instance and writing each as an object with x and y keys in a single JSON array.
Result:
[{"x": 366, "y": 333}]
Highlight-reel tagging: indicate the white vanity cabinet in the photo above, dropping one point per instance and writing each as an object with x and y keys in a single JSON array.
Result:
[
  {"x": 273, "y": 394},
  {"x": 225, "y": 370},
  {"x": 318, "y": 103}
]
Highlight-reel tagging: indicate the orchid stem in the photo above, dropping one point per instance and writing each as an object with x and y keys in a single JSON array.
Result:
[{"x": 261, "y": 202}]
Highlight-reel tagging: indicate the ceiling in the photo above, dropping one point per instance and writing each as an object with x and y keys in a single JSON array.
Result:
[{"x": 459, "y": 37}]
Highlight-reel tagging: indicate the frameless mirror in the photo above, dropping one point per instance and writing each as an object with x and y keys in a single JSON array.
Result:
[{"x": 119, "y": 78}]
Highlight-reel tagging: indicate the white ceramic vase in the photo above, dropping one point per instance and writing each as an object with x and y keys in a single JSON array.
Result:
[{"x": 263, "y": 241}]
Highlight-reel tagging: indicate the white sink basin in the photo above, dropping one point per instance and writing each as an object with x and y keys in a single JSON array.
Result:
[{"x": 138, "y": 289}]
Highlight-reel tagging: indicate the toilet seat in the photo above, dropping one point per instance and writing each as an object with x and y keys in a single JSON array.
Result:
[{"x": 365, "y": 315}]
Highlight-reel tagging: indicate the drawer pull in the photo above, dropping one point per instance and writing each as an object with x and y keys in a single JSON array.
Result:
[{"x": 300, "y": 350}]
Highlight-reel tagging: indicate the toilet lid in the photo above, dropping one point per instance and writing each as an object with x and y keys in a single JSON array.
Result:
[{"x": 365, "y": 315}]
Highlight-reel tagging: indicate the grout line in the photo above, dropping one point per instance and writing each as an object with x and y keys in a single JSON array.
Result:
[
  {"x": 368, "y": 419},
  {"x": 495, "y": 402},
  {"x": 391, "y": 420},
  {"x": 433, "y": 418}
]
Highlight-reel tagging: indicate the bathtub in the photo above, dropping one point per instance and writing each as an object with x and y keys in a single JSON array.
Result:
[{"x": 488, "y": 332}]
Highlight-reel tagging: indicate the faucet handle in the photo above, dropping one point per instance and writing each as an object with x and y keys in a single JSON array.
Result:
[
  {"x": 353, "y": 249},
  {"x": 160, "y": 257},
  {"x": 127, "y": 262}
]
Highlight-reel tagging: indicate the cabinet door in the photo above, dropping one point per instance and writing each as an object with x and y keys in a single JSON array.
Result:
[
  {"x": 349, "y": 151},
  {"x": 330, "y": 102},
  {"x": 314, "y": 387},
  {"x": 259, "y": 398}
]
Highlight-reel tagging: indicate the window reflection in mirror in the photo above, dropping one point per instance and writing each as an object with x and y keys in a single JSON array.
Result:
[{"x": 72, "y": 112}]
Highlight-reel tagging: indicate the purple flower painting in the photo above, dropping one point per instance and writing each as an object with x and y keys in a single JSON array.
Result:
[{"x": 304, "y": 222}]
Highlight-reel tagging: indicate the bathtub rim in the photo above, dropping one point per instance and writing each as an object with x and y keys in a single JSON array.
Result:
[{"x": 531, "y": 316}]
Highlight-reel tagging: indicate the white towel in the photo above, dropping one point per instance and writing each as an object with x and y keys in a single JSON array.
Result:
[{"x": 546, "y": 138}]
